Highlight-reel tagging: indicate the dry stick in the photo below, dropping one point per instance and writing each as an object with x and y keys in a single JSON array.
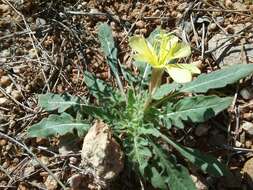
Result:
[
  {"x": 6, "y": 172},
  {"x": 132, "y": 26},
  {"x": 203, "y": 41},
  {"x": 31, "y": 35},
  {"x": 225, "y": 32},
  {"x": 17, "y": 168},
  {"x": 224, "y": 10},
  {"x": 16, "y": 34},
  {"x": 229, "y": 38},
  {"x": 194, "y": 32},
  {"x": 14, "y": 100},
  {"x": 34, "y": 156}
]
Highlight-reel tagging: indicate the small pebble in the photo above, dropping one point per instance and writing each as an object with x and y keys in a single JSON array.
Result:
[
  {"x": 73, "y": 160},
  {"x": 238, "y": 144},
  {"x": 182, "y": 7},
  {"x": 247, "y": 93},
  {"x": 16, "y": 94},
  {"x": 220, "y": 20},
  {"x": 247, "y": 127},
  {"x": 8, "y": 147},
  {"x": 32, "y": 53},
  {"x": 4, "y": 8},
  {"x": 5, "y": 53},
  {"x": 5, "y": 81},
  {"x": 140, "y": 24},
  {"x": 40, "y": 21},
  {"x": 248, "y": 144},
  {"x": 212, "y": 27},
  {"x": 3, "y": 142},
  {"x": 3, "y": 101}
]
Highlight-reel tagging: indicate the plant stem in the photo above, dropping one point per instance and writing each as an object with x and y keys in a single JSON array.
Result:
[{"x": 156, "y": 78}]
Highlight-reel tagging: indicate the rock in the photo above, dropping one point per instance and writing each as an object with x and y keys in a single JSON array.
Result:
[
  {"x": 3, "y": 101},
  {"x": 16, "y": 94},
  {"x": 199, "y": 184},
  {"x": 3, "y": 142},
  {"x": 220, "y": 20},
  {"x": 40, "y": 22},
  {"x": 212, "y": 27},
  {"x": 4, "y": 8},
  {"x": 182, "y": 7},
  {"x": 44, "y": 160},
  {"x": 28, "y": 170},
  {"x": 248, "y": 143},
  {"x": 32, "y": 53},
  {"x": 5, "y": 53},
  {"x": 239, "y": 6},
  {"x": 238, "y": 144},
  {"x": 247, "y": 92},
  {"x": 248, "y": 172},
  {"x": 140, "y": 24},
  {"x": 101, "y": 154},
  {"x": 5, "y": 81},
  {"x": 72, "y": 160},
  {"x": 77, "y": 182},
  {"x": 51, "y": 183},
  {"x": 227, "y": 54},
  {"x": 247, "y": 127}
]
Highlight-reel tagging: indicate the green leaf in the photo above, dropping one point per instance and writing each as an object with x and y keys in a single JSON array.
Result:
[
  {"x": 196, "y": 109},
  {"x": 98, "y": 88},
  {"x": 206, "y": 163},
  {"x": 168, "y": 171},
  {"x": 165, "y": 90},
  {"x": 51, "y": 102},
  {"x": 57, "y": 124},
  {"x": 140, "y": 153},
  {"x": 218, "y": 79},
  {"x": 97, "y": 112},
  {"x": 107, "y": 44}
]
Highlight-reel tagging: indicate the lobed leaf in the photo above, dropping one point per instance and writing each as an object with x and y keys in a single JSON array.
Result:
[
  {"x": 57, "y": 124},
  {"x": 98, "y": 88},
  {"x": 168, "y": 173},
  {"x": 140, "y": 153},
  {"x": 108, "y": 46},
  {"x": 165, "y": 90},
  {"x": 218, "y": 79},
  {"x": 206, "y": 163},
  {"x": 196, "y": 109},
  {"x": 51, "y": 102}
]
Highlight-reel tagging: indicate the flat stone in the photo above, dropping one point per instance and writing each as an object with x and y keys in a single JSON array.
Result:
[{"x": 227, "y": 54}]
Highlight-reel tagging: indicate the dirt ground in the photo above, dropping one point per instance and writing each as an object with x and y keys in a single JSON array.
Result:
[{"x": 45, "y": 46}]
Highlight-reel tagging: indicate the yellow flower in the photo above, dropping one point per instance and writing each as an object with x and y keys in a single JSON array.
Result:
[{"x": 162, "y": 54}]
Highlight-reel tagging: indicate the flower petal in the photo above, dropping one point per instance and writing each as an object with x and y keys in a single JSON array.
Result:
[
  {"x": 144, "y": 50},
  {"x": 190, "y": 67},
  {"x": 167, "y": 42},
  {"x": 180, "y": 50},
  {"x": 179, "y": 75}
]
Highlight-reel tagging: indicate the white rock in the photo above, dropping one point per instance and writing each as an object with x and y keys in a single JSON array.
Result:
[
  {"x": 101, "y": 154},
  {"x": 247, "y": 127},
  {"x": 227, "y": 54},
  {"x": 51, "y": 183}
]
